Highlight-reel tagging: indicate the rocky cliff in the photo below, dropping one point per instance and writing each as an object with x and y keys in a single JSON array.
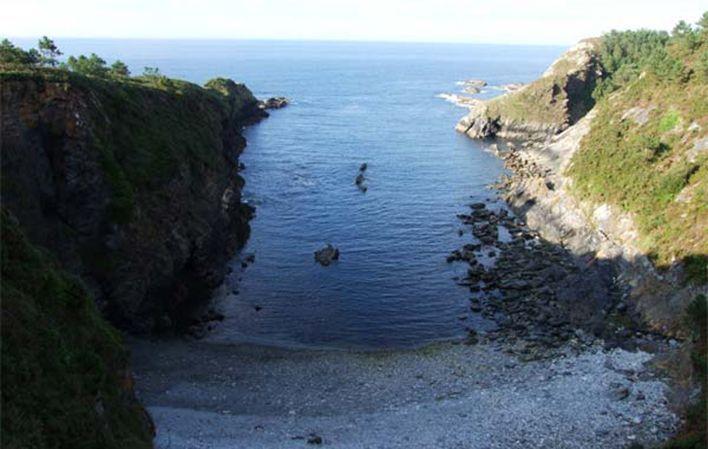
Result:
[
  {"x": 566, "y": 189},
  {"x": 544, "y": 107},
  {"x": 132, "y": 183}
]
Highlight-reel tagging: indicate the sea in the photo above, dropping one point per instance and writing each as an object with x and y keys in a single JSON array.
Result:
[{"x": 350, "y": 103}]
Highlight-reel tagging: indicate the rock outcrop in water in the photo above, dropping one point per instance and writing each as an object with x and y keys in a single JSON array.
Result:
[
  {"x": 540, "y": 295},
  {"x": 360, "y": 180},
  {"x": 326, "y": 255},
  {"x": 274, "y": 103},
  {"x": 131, "y": 183}
]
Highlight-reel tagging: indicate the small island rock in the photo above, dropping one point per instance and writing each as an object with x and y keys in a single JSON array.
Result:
[{"x": 326, "y": 255}]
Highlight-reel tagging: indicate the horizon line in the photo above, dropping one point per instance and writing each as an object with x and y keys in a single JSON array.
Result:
[{"x": 314, "y": 40}]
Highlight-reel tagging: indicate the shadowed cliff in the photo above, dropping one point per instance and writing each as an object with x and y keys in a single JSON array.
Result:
[{"x": 131, "y": 183}]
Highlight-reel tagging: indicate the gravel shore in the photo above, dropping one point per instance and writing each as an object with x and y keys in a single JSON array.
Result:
[{"x": 208, "y": 395}]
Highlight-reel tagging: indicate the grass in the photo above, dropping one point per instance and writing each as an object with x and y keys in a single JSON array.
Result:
[
  {"x": 644, "y": 169},
  {"x": 64, "y": 374},
  {"x": 544, "y": 101}
]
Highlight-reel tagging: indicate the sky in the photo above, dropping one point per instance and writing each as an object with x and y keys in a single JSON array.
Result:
[{"x": 488, "y": 21}]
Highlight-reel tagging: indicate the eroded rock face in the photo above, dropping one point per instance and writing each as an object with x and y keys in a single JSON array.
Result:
[
  {"x": 543, "y": 108},
  {"x": 133, "y": 188},
  {"x": 539, "y": 191}
]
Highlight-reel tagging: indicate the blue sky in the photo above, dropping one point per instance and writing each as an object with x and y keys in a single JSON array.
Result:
[{"x": 489, "y": 21}]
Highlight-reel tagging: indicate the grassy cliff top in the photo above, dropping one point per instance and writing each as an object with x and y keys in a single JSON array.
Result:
[
  {"x": 546, "y": 100},
  {"x": 647, "y": 148}
]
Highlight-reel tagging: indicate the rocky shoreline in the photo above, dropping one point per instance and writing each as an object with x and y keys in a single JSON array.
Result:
[
  {"x": 571, "y": 274},
  {"x": 541, "y": 297}
]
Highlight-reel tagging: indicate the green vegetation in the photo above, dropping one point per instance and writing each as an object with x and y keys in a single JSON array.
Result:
[
  {"x": 14, "y": 56},
  {"x": 674, "y": 57},
  {"x": 156, "y": 123},
  {"x": 65, "y": 381},
  {"x": 64, "y": 377},
  {"x": 547, "y": 101},
  {"x": 534, "y": 104},
  {"x": 648, "y": 166},
  {"x": 46, "y": 54}
]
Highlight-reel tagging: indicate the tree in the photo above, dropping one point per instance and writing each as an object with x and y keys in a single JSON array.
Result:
[
  {"x": 92, "y": 65},
  {"x": 12, "y": 55},
  {"x": 48, "y": 51},
  {"x": 119, "y": 68},
  {"x": 681, "y": 29},
  {"x": 151, "y": 71},
  {"x": 703, "y": 22}
]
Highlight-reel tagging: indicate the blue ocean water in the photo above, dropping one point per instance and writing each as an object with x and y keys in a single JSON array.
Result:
[{"x": 351, "y": 103}]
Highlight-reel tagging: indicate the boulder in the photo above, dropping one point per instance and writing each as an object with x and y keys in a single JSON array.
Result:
[{"x": 326, "y": 255}]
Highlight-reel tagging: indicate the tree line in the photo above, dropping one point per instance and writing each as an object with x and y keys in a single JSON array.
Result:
[
  {"x": 47, "y": 54},
  {"x": 678, "y": 56}
]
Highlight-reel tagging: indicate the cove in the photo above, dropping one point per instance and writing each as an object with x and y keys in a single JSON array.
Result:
[
  {"x": 356, "y": 103},
  {"x": 351, "y": 103}
]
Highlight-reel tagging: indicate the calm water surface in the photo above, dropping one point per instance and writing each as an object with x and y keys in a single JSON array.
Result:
[{"x": 352, "y": 103}]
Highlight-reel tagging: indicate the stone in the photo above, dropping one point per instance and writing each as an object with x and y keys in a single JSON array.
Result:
[
  {"x": 359, "y": 182},
  {"x": 274, "y": 103},
  {"x": 326, "y": 255},
  {"x": 620, "y": 393},
  {"x": 314, "y": 439}
]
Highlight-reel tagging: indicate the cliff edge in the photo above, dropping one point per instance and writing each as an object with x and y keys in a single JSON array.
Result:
[
  {"x": 132, "y": 183},
  {"x": 552, "y": 103}
]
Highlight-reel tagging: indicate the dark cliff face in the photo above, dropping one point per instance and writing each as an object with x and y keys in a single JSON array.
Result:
[{"x": 132, "y": 184}]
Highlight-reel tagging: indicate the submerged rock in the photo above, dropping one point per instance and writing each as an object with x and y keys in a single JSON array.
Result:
[
  {"x": 327, "y": 255},
  {"x": 359, "y": 181},
  {"x": 473, "y": 83},
  {"x": 314, "y": 439}
]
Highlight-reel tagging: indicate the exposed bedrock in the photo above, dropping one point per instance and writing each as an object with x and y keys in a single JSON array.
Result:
[{"x": 133, "y": 185}]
